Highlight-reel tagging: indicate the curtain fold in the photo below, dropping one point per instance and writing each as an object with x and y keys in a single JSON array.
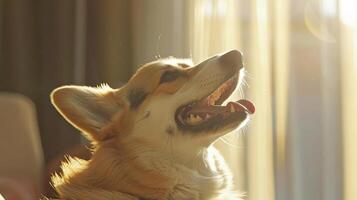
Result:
[
  {"x": 348, "y": 54},
  {"x": 280, "y": 76},
  {"x": 221, "y": 25},
  {"x": 46, "y": 44},
  {"x": 260, "y": 137},
  {"x": 37, "y": 57}
]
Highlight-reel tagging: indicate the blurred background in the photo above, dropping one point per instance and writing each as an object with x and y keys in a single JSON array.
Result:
[{"x": 301, "y": 56}]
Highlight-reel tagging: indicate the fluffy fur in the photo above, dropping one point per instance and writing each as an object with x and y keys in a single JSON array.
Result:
[{"x": 139, "y": 152}]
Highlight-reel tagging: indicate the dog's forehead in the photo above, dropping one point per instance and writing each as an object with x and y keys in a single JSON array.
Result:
[
  {"x": 166, "y": 63},
  {"x": 146, "y": 75},
  {"x": 149, "y": 74},
  {"x": 146, "y": 78},
  {"x": 151, "y": 68},
  {"x": 162, "y": 64}
]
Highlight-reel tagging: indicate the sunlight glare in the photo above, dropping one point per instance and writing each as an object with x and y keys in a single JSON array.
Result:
[
  {"x": 207, "y": 7},
  {"x": 219, "y": 8},
  {"x": 222, "y": 8},
  {"x": 348, "y": 13},
  {"x": 316, "y": 16}
]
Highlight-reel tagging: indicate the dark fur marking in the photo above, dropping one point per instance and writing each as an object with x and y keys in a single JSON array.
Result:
[
  {"x": 136, "y": 97},
  {"x": 169, "y": 76}
]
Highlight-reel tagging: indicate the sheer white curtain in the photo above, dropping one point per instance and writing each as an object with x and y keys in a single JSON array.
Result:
[
  {"x": 301, "y": 57},
  {"x": 218, "y": 26}
]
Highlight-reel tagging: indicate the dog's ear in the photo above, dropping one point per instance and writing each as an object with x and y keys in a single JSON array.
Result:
[{"x": 88, "y": 109}]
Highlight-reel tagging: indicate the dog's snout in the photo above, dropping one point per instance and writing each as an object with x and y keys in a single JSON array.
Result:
[{"x": 232, "y": 58}]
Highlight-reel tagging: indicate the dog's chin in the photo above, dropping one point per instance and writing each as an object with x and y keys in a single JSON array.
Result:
[{"x": 208, "y": 116}]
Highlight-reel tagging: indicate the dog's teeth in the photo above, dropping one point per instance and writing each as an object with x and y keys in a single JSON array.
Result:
[
  {"x": 231, "y": 108},
  {"x": 197, "y": 119},
  {"x": 194, "y": 119},
  {"x": 189, "y": 118}
]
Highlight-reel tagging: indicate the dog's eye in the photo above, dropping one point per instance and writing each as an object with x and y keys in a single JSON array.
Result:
[
  {"x": 169, "y": 76},
  {"x": 183, "y": 65}
]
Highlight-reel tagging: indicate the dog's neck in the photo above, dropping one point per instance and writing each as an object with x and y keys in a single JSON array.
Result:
[
  {"x": 149, "y": 175},
  {"x": 204, "y": 177}
]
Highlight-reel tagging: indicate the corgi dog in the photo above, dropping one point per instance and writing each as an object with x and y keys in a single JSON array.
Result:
[{"x": 153, "y": 138}]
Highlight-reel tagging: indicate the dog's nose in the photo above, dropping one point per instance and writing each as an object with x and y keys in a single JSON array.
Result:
[{"x": 231, "y": 58}]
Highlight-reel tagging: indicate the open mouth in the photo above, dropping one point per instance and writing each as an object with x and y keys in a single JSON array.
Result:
[{"x": 208, "y": 113}]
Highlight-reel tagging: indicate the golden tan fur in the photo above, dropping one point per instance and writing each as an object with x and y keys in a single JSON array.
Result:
[{"x": 138, "y": 152}]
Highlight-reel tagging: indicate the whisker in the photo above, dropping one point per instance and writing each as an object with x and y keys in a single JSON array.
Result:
[
  {"x": 245, "y": 128},
  {"x": 241, "y": 92},
  {"x": 245, "y": 83},
  {"x": 248, "y": 74},
  {"x": 158, "y": 47},
  {"x": 230, "y": 144}
]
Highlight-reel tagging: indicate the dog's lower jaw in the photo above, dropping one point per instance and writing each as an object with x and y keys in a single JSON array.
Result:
[{"x": 166, "y": 180}]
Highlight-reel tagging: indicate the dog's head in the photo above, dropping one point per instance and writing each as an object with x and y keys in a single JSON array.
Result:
[{"x": 169, "y": 100}]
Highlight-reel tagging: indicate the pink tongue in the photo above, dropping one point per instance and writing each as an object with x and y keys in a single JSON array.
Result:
[{"x": 248, "y": 105}]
